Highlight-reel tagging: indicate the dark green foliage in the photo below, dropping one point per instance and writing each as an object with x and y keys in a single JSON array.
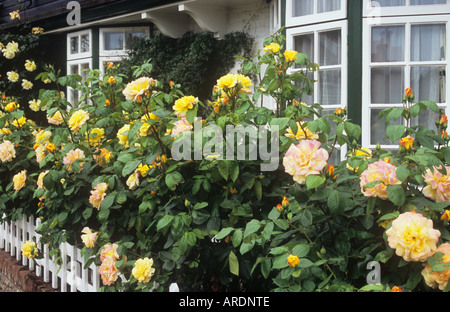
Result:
[{"x": 195, "y": 61}]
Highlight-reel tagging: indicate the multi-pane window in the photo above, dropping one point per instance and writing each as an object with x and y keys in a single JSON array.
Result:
[
  {"x": 326, "y": 44},
  {"x": 116, "y": 42},
  {"x": 401, "y": 53},
  {"x": 302, "y": 12},
  {"x": 406, "y": 7},
  {"x": 79, "y": 60}
]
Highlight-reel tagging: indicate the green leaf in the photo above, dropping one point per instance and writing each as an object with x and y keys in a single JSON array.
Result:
[
  {"x": 314, "y": 181},
  {"x": 280, "y": 122},
  {"x": 224, "y": 233},
  {"x": 165, "y": 221},
  {"x": 107, "y": 202},
  {"x": 258, "y": 189},
  {"x": 130, "y": 167},
  {"x": 402, "y": 172},
  {"x": 395, "y": 132},
  {"x": 396, "y": 194},
  {"x": 222, "y": 166},
  {"x": 172, "y": 179},
  {"x": 234, "y": 263},
  {"x": 251, "y": 227},
  {"x": 334, "y": 203},
  {"x": 301, "y": 250}
]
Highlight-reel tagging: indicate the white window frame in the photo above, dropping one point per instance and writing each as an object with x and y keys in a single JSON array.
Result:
[
  {"x": 316, "y": 30},
  {"x": 77, "y": 62},
  {"x": 315, "y": 17},
  {"x": 372, "y": 8},
  {"x": 79, "y": 55},
  {"x": 407, "y": 63},
  {"x": 275, "y": 15},
  {"x": 124, "y": 51}
]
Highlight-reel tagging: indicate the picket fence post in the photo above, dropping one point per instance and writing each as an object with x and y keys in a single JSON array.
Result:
[{"x": 69, "y": 276}]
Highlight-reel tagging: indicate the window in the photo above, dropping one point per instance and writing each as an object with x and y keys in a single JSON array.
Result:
[
  {"x": 326, "y": 44},
  {"x": 77, "y": 67},
  {"x": 405, "y": 7},
  {"x": 302, "y": 12},
  {"x": 79, "y": 60},
  {"x": 402, "y": 53},
  {"x": 275, "y": 16},
  {"x": 117, "y": 41},
  {"x": 79, "y": 45}
]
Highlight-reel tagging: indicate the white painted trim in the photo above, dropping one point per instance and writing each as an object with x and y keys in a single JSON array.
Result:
[
  {"x": 78, "y": 62},
  {"x": 123, "y": 52},
  {"x": 78, "y": 34},
  {"x": 368, "y": 23},
  {"x": 372, "y": 8},
  {"x": 292, "y": 21}
]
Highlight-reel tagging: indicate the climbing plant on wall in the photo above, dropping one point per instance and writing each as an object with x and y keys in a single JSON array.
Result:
[{"x": 195, "y": 61}]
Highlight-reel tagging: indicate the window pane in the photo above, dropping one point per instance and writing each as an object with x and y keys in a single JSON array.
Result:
[
  {"x": 388, "y": 43},
  {"x": 428, "y": 42},
  {"x": 305, "y": 43},
  {"x": 385, "y": 3},
  {"x": 84, "y": 71},
  {"x": 302, "y": 7},
  {"x": 113, "y": 40},
  {"x": 428, "y": 83},
  {"x": 132, "y": 37},
  {"x": 329, "y": 87},
  {"x": 73, "y": 69},
  {"x": 426, "y": 2},
  {"x": 84, "y": 43},
  {"x": 330, "y": 48},
  {"x": 378, "y": 128},
  {"x": 74, "y": 45},
  {"x": 427, "y": 119},
  {"x": 387, "y": 85},
  {"x": 328, "y": 5}
]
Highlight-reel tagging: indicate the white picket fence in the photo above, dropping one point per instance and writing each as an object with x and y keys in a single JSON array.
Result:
[{"x": 70, "y": 276}]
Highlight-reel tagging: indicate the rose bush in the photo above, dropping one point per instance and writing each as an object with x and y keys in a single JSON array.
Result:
[{"x": 107, "y": 176}]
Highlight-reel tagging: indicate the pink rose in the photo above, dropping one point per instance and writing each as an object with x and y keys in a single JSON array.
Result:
[{"x": 307, "y": 158}]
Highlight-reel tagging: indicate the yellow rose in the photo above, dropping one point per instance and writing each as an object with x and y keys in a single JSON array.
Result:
[
  {"x": 95, "y": 136},
  {"x": 103, "y": 157},
  {"x": 182, "y": 105},
  {"x": 98, "y": 194},
  {"x": 227, "y": 82},
  {"x": 26, "y": 84},
  {"x": 19, "y": 122},
  {"x": 56, "y": 119},
  {"x": 133, "y": 181},
  {"x": 12, "y": 76},
  {"x": 88, "y": 237},
  {"x": 143, "y": 270},
  {"x": 7, "y": 151},
  {"x": 78, "y": 119},
  {"x": 144, "y": 129},
  {"x": 293, "y": 261},
  {"x": 413, "y": 237},
  {"x": 272, "y": 47},
  {"x": 37, "y": 30},
  {"x": 42, "y": 137},
  {"x": 137, "y": 88},
  {"x": 29, "y": 249},
  {"x": 302, "y": 133},
  {"x": 30, "y": 65},
  {"x": 290, "y": 56},
  {"x": 72, "y": 156},
  {"x": 19, "y": 180},
  {"x": 35, "y": 105},
  {"x": 142, "y": 169},
  {"x": 123, "y": 138},
  {"x": 12, "y": 106}
]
